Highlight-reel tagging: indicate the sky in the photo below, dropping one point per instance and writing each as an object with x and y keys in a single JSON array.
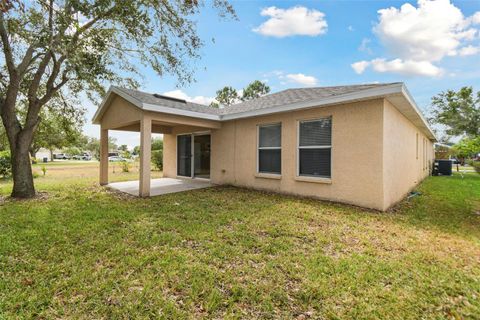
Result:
[{"x": 432, "y": 46}]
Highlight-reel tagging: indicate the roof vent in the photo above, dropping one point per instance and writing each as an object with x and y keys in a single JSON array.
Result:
[{"x": 156, "y": 95}]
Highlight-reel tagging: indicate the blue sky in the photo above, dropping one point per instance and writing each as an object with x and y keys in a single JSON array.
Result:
[{"x": 429, "y": 45}]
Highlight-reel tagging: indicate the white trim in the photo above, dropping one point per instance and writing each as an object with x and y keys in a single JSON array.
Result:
[{"x": 268, "y": 174}]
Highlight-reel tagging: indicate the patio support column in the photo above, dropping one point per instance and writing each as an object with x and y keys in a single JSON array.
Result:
[
  {"x": 145, "y": 155},
  {"x": 103, "y": 157}
]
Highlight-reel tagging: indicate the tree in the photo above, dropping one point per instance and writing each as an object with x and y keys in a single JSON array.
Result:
[
  {"x": 123, "y": 147},
  {"x": 93, "y": 145},
  {"x": 157, "y": 144},
  {"x": 255, "y": 90},
  {"x": 136, "y": 150},
  {"x": 61, "y": 127},
  {"x": 467, "y": 148},
  {"x": 75, "y": 46},
  {"x": 227, "y": 96},
  {"x": 458, "y": 111}
]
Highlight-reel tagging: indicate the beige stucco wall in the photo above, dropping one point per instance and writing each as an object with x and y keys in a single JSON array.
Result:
[
  {"x": 375, "y": 157},
  {"x": 357, "y": 175},
  {"x": 120, "y": 113},
  {"x": 405, "y": 163}
]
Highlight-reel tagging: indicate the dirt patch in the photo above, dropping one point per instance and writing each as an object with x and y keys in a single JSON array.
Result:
[{"x": 40, "y": 196}]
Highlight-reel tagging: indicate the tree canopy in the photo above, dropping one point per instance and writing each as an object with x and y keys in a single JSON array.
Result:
[
  {"x": 76, "y": 47},
  {"x": 467, "y": 148},
  {"x": 458, "y": 111},
  {"x": 255, "y": 90},
  {"x": 229, "y": 95},
  {"x": 225, "y": 97}
]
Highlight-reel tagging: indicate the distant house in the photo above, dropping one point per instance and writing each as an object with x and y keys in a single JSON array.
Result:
[
  {"x": 366, "y": 145},
  {"x": 42, "y": 154},
  {"x": 442, "y": 151}
]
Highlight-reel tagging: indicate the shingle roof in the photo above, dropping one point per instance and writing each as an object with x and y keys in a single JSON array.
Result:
[
  {"x": 284, "y": 97},
  {"x": 150, "y": 98},
  {"x": 296, "y": 95}
]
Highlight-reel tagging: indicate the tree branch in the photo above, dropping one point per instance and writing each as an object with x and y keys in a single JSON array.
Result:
[{"x": 7, "y": 49}]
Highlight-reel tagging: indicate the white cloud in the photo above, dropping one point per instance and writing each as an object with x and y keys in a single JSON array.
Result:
[
  {"x": 182, "y": 95},
  {"x": 360, "y": 66},
  {"x": 350, "y": 28},
  {"x": 293, "y": 21},
  {"x": 430, "y": 32},
  {"x": 475, "y": 19},
  {"x": 407, "y": 67},
  {"x": 364, "y": 46},
  {"x": 302, "y": 79},
  {"x": 418, "y": 37},
  {"x": 469, "y": 50}
]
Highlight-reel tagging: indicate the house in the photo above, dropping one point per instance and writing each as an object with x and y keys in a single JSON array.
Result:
[{"x": 366, "y": 145}]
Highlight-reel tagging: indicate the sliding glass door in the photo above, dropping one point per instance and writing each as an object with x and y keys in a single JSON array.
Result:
[
  {"x": 184, "y": 155},
  {"x": 201, "y": 156},
  {"x": 193, "y": 155}
]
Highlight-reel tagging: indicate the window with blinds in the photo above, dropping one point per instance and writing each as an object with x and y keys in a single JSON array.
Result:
[
  {"x": 315, "y": 148},
  {"x": 270, "y": 148}
]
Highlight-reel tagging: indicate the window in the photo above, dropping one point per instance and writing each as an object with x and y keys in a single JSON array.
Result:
[
  {"x": 315, "y": 148},
  {"x": 417, "y": 146},
  {"x": 270, "y": 148},
  {"x": 424, "y": 154}
]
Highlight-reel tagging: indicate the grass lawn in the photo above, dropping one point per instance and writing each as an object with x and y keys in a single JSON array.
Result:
[{"x": 83, "y": 252}]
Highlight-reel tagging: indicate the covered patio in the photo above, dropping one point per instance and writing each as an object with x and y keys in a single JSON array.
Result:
[
  {"x": 131, "y": 110},
  {"x": 161, "y": 186}
]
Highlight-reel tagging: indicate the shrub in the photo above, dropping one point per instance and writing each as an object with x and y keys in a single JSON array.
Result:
[
  {"x": 157, "y": 159},
  {"x": 475, "y": 165},
  {"x": 125, "y": 167},
  {"x": 5, "y": 164},
  {"x": 44, "y": 170}
]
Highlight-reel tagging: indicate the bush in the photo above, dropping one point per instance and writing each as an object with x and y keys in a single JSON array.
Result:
[
  {"x": 125, "y": 167},
  {"x": 475, "y": 165},
  {"x": 157, "y": 159},
  {"x": 5, "y": 164}
]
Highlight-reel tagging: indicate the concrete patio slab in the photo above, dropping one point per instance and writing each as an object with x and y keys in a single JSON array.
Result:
[{"x": 161, "y": 186}]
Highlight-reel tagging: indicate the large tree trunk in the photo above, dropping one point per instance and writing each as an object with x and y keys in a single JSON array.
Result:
[{"x": 23, "y": 186}]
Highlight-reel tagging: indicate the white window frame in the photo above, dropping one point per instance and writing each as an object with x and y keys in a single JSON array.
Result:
[
  {"x": 298, "y": 175},
  {"x": 268, "y": 148}
]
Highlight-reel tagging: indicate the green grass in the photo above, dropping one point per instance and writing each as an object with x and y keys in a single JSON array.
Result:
[{"x": 83, "y": 252}]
